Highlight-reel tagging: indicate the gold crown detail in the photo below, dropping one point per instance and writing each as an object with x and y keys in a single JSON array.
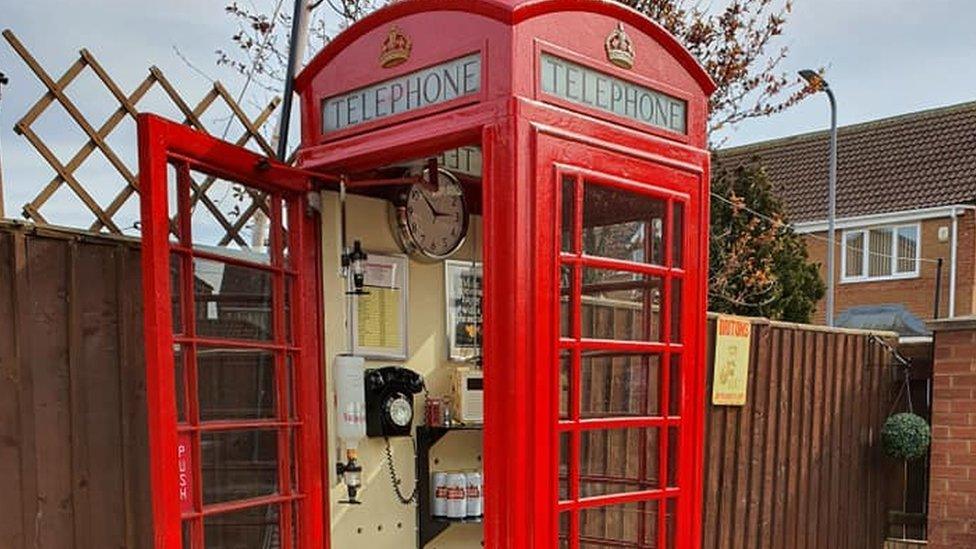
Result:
[
  {"x": 620, "y": 49},
  {"x": 396, "y": 48}
]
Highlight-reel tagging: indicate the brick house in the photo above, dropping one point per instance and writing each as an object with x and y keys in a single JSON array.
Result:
[{"x": 906, "y": 197}]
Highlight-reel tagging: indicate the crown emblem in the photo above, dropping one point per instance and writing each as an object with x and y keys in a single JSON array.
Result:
[
  {"x": 620, "y": 50},
  {"x": 396, "y": 48}
]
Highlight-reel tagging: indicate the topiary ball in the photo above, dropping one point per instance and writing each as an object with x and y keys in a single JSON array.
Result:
[{"x": 906, "y": 436}]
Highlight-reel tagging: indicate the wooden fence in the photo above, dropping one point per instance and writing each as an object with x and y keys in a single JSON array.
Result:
[
  {"x": 73, "y": 437},
  {"x": 796, "y": 467},
  {"x": 799, "y": 466}
]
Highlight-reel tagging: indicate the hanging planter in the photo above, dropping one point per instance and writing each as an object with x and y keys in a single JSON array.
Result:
[{"x": 906, "y": 436}]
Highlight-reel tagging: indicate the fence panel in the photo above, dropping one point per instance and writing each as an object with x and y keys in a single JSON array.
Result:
[
  {"x": 799, "y": 465},
  {"x": 73, "y": 454}
]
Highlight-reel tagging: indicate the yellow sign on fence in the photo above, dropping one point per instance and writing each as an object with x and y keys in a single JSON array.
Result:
[{"x": 730, "y": 377}]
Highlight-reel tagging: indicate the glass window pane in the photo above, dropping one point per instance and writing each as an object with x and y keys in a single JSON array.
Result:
[
  {"x": 284, "y": 234},
  {"x": 235, "y": 384},
  {"x": 674, "y": 452},
  {"x": 293, "y": 463},
  {"x": 245, "y": 529},
  {"x": 854, "y": 254},
  {"x": 678, "y": 234},
  {"x": 618, "y": 461},
  {"x": 291, "y": 390},
  {"x": 564, "y": 530},
  {"x": 239, "y": 464},
  {"x": 676, "y": 295},
  {"x": 623, "y": 225},
  {"x": 567, "y": 212},
  {"x": 176, "y": 291},
  {"x": 232, "y": 301},
  {"x": 289, "y": 289},
  {"x": 172, "y": 201},
  {"x": 674, "y": 386},
  {"x": 565, "y": 379},
  {"x": 880, "y": 247},
  {"x": 619, "y": 525},
  {"x": 186, "y": 534},
  {"x": 620, "y": 305},
  {"x": 907, "y": 249},
  {"x": 670, "y": 523},
  {"x": 178, "y": 362},
  {"x": 565, "y": 309},
  {"x": 295, "y": 531},
  {"x": 229, "y": 219},
  {"x": 564, "y": 450},
  {"x": 617, "y": 384},
  {"x": 650, "y": 513}
]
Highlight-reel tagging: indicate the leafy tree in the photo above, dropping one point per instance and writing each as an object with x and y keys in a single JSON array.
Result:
[
  {"x": 736, "y": 44},
  {"x": 758, "y": 265}
]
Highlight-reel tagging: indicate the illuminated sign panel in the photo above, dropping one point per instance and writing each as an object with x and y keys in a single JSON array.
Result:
[
  {"x": 582, "y": 85},
  {"x": 416, "y": 90}
]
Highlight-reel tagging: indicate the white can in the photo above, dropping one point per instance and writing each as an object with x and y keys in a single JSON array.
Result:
[
  {"x": 457, "y": 502},
  {"x": 475, "y": 496},
  {"x": 440, "y": 495}
]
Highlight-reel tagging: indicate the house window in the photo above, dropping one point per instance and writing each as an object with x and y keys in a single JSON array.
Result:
[{"x": 881, "y": 253}]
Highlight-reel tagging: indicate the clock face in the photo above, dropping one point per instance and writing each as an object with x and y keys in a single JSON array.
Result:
[{"x": 433, "y": 224}]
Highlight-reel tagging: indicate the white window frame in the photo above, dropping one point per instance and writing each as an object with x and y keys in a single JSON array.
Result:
[{"x": 866, "y": 253}]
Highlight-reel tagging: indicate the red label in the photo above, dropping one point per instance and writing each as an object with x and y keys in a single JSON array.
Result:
[
  {"x": 440, "y": 492},
  {"x": 185, "y": 480},
  {"x": 474, "y": 492},
  {"x": 455, "y": 493}
]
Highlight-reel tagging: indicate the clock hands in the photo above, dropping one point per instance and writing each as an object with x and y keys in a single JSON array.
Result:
[{"x": 433, "y": 210}]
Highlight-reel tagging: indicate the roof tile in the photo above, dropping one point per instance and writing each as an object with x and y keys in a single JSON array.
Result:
[{"x": 917, "y": 160}]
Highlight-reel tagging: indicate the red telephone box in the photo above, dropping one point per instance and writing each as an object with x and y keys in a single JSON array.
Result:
[{"x": 590, "y": 123}]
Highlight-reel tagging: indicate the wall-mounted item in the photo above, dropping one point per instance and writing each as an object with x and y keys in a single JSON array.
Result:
[
  {"x": 733, "y": 337},
  {"x": 430, "y": 218},
  {"x": 463, "y": 288},
  {"x": 350, "y": 395},
  {"x": 378, "y": 318},
  {"x": 468, "y": 395},
  {"x": 389, "y": 400}
]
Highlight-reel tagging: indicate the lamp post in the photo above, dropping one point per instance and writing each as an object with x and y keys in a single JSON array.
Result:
[{"x": 819, "y": 84}]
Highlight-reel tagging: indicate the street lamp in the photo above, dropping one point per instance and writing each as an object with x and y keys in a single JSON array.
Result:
[{"x": 817, "y": 83}]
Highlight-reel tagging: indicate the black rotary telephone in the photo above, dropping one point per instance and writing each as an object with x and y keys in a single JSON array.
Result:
[{"x": 389, "y": 400}]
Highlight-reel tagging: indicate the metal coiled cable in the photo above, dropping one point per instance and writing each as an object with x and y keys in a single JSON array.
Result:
[{"x": 396, "y": 481}]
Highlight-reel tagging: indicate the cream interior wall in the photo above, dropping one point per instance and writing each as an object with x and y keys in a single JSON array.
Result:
[{"x": 381, "y": 522}]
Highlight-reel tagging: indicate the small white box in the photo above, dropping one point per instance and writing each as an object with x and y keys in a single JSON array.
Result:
[{"x": 468, "y": 395}]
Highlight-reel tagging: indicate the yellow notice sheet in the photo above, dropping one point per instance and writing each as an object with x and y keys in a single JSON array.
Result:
[
  {"x": 730, "y": 377},
  {"x": 378, "y": 324}
]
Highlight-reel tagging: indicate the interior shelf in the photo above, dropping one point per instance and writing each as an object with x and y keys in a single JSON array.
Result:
[{"x": 429, "y": 526}]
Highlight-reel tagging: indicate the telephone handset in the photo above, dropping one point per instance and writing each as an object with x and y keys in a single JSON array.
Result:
[{"x": 389, "y": 400}]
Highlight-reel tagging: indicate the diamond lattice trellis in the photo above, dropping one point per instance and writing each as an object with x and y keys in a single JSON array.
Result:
[{"x": 66, "y": 172}]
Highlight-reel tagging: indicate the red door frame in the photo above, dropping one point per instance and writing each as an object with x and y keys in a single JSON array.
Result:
[
  {"x": 613, "y": 165},
  {"x": 160, "y": 143}
]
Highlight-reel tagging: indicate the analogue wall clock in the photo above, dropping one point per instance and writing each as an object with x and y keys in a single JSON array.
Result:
[{"x": 431, "y": 225}]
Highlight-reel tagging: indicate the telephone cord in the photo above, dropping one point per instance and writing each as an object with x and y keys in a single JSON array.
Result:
[{"x": 395, "y": 480}]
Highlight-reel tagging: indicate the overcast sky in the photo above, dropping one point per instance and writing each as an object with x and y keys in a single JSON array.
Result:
[{"x": 884, "y": 57}]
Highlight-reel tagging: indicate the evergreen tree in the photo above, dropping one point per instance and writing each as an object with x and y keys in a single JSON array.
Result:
[{"x": 758, "y": 265}]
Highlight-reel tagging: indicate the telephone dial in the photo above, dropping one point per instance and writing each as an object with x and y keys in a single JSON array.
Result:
[{"x": 389, "y": 400}]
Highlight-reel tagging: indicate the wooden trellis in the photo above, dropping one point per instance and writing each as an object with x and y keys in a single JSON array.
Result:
[{"x": 66, "y": 171}]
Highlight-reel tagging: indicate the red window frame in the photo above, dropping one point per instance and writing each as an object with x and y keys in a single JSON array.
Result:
[{"x": 163, "y": 143}]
